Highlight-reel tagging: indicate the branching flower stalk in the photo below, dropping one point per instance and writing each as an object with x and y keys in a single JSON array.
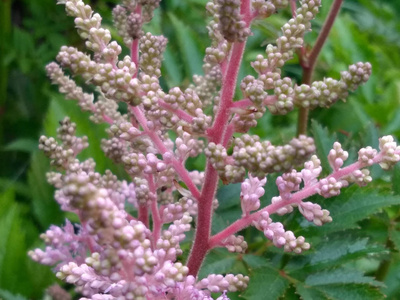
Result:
[
  {"x": 309, "y": 60},
  {"x": 118, "y": 253}
]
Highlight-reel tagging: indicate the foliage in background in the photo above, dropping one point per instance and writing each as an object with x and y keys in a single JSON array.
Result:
[{"x": 32, "y": 33}]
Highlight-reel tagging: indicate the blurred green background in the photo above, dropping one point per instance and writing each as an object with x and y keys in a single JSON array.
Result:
[{"x": 31, "y": 33}]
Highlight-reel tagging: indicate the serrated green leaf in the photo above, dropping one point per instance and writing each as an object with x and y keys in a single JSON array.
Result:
[
  {"x": 392, "y": 289},
  {"x": 266, "y": 283},
  {"x": 309, "y": 293},
  {"x": 344, "y": 249},
  {"x": 324, "y": 142},
  {"x": 354, "y": 205},
  {"x": 217, "y": 262},
  {"x": 340, "y": 276},
  {"x": 351, "y": 292}
]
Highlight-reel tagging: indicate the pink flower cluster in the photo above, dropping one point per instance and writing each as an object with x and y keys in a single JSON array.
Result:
[{"x": 128, "y": 242}]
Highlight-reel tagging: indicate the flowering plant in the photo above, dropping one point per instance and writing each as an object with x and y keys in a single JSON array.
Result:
[{"x": 128, "y": 243}]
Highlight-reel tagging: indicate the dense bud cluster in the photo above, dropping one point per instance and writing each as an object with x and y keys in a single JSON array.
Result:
[
  {"x": 151, "y": 48},
  {"x": 231, "y": 25},
  {"x": 262, "y": 158},
  {"x": 131, "y": 233}
]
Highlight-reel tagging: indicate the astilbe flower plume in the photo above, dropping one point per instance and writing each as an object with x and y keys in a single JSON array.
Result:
[{"x": 116, "y": 254}]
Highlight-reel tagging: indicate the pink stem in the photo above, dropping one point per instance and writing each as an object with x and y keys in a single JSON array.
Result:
[
  {"x": 135, "y": 45},
  {"x": 107, "y": 119},
  {"x": 159, "y": 144},
  {"x": 216, "y": 133},
  {"x": 183, "y": 115},
  {"x": 297, "y": 197},
  {"x": 309, "y": 61},
  {"x": 155, "y": 213},
  {"x": 293, "y": 7},
  {"x": 269, "y": 100},
  {"x": 135, "y": 55},
  {"x": 143, "y": 214}
]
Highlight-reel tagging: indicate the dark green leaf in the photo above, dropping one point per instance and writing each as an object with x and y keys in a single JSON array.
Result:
[
  {"x": 340, "y": 276},
  {"x": 354, "y": 205},
  {"x": 190, "y": 50},
  {"x": 217, "y": 262},
  {"x": 266, "y": 283},
  {"x": 7, "y": 295},
  {"x": 324, "y": 142},
  {"x": 25, "y": 145},
  {"x": 310, "y": 293}
]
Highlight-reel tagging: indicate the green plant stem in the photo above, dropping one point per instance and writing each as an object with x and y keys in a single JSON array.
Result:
[{"x": 308, "y": 62}]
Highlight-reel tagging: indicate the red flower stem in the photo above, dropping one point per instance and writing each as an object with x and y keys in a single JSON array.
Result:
[
  {"x": 216, "y": 134},
  {"x": 293, "y": 7},
  {"x": 135, "y": 45},
  {"x": 308, "y": 62},
  {"x": 269, "y": 100},
  {"x": 135, "y": 55},
  {"x": 297, "y": 197},
  {"x": 183, "y": 115},
  {"x": 143, "y": 214},
  {"x": 159, "y": 144},
  {"x": 155, "y": 213}
]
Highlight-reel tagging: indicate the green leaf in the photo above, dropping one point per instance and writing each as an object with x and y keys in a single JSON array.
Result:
[
  {"x": 339, "y": 284},
  {"x": 340, "y": 276},
  {"x": 392, "y": 289},
  {"x": 25, "y": 145},
  {"x": 217, "y": 262},
  {"x": 310, "y": 293},
  {"x": 394, "y": 235},
  {"x": 324, "y": 142},
  {"x": 17, "y": 272},
  {"x": 343, "y": 249},
  {"x": 353, "y": 205},
  {"x": 266, "y": 283},
  {"x": 254, "y": 261},
  {"x": 190, "y": 50},
  {"x": 396, "y": 180},
  {"x": 46, "y": 209},
  {"x": 351, "y": 292},
  {"x": 228, "y": 196},
  {"x": 7, "y": 295}
]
